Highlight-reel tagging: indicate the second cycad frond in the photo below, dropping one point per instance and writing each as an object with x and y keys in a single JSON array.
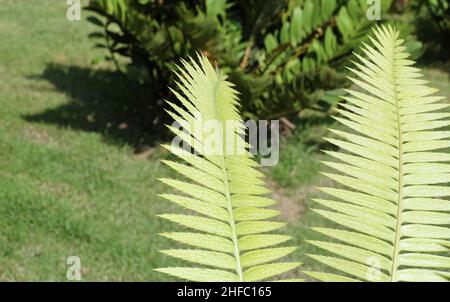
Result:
[
  {"x": 229, "y": 235},
  {"x": 393, "y": 206}
]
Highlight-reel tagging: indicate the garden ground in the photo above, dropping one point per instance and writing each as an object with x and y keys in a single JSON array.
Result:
[{"x": 71, "y": 183}]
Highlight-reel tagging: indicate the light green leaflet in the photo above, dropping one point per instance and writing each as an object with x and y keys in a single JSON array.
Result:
[
  {"x": 393, "y": 208},
  {"x": 227, "y": 240}
]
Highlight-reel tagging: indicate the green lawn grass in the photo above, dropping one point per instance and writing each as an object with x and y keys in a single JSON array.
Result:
[
  {"x": 67, "y": 190},
  {"x": 70, "y": 183}
]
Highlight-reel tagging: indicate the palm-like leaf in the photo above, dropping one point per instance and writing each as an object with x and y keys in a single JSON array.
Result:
[
  {"x": 393, "y": 204},
  {"x": 224, "y": 188}
]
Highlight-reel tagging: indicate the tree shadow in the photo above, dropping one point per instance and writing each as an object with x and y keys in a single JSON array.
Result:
[{"x": 104, "y": 101}]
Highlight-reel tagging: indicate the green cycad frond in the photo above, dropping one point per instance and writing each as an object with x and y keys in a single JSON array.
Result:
[
  {"x": 393, "y": 205},
  {"x": 223, "y": 186}
]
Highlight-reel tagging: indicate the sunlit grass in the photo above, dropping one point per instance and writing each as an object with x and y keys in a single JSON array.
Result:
[{"x": 71, "y": 189}]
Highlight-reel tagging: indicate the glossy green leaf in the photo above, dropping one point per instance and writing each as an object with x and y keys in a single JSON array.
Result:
[
  {"x": 256, "y": 257},
  {"x": 265, "y": 271},
  {"x": 200, "y": 274},
  {"x": 215, "y": 259},
  {"x": 200, "y": 240}
]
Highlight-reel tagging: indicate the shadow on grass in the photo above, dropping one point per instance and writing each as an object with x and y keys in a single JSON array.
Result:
[{"x": 103, "y": 101}]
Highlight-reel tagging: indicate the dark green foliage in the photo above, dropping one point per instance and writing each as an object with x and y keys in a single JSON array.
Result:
[
  {"x": 432, "y": 26},
  {"x": 438, "y": 11},
  {"x": 283, "y": 55}
]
